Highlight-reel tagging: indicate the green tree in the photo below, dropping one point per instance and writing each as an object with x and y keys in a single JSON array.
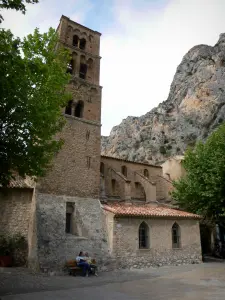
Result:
[
  {"x": 32, "y": 93},
  {"x": 15, "y": 4},
  {"x": 202, "y": 190}
]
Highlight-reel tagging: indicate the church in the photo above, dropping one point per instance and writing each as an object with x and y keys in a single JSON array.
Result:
[{"x": 117, "y": 210}]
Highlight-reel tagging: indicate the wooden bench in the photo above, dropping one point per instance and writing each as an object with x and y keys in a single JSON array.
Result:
[{"x": 73, "y": 269}]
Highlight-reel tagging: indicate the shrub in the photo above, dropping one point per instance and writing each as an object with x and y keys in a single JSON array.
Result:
[
  {"x": 14, "y": 245},
  {"x": 162, "y": 150}
]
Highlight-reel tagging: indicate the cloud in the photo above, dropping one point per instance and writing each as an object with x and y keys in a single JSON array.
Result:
[
  {"x": 45, "y": 14},
  {"x": 141, "y": 52},
  {"x": 143, "y": 41}
]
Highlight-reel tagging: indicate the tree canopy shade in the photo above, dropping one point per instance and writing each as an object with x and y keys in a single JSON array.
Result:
[
  {"x": 202, "y": 190},
  {"x": 15, "y": 4},
  {"x": 32, "y": 91}
]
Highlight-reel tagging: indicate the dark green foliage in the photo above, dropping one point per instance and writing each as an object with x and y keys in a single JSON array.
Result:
[
  {"x": 32, "y": 91},
  {"x": 162, "y": 150},
  {"x": 202, "y": 190}
]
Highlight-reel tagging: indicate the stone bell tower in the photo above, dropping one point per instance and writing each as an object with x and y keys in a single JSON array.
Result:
[
  {"x": 76, "y": 168},
  {"x": 68, "y": 210}
]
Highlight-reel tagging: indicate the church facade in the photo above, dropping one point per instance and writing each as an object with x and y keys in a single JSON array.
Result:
[{"x": 116, "y": 210}]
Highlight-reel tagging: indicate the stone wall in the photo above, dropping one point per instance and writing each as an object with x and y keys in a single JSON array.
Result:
[
  {"x": 55, "y": 246},
  {"x": 15, "y": 210},
  {"x": 126, "y": 243},
  {"x": 75, "y": 169},
  {"x": 154, "y": 175},
  {"x": 67, "y": 28},
  {"x": 90, "y": 95}
]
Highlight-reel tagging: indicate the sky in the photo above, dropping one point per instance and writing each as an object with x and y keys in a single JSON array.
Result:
[{"x": 142, "y": 43}]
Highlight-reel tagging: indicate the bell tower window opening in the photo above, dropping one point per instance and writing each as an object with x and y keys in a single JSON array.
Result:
[
  {"x": 75, "y": 40},
  {"x": 79, "y": 109},
  {"x": 68, "y": 109},
  {"x": 83, "y": 71},
  {"x": 82, "y": 44},
  {"x": 70, "y": 67}
]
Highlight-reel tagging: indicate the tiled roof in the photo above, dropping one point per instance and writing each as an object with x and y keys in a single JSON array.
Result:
[
  {"x": 146, "y": 210},
  {"x": 21, "y": 183},
  {"x": 130, "y": 161}
]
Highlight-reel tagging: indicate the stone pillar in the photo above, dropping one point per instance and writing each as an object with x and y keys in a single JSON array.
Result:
[
  {"x": 127, "y": 190},
  {"x": 77, "y": 66}
]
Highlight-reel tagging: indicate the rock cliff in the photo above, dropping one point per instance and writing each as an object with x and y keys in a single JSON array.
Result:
[{"x": 194, "y": 108}]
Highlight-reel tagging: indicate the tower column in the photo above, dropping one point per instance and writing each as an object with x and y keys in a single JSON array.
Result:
[{"x": 77, "y": 66}]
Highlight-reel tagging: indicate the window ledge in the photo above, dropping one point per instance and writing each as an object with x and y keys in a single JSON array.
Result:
[
  {"x": 177, "y": 249},
  {"x": 75, "y": 237},
  {"x": 144, "y": 250}
]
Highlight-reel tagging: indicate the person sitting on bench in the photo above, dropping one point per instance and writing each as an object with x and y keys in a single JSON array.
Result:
[
  {"x": 83, "y": 264},
  {"x": 92, "y": 264}
]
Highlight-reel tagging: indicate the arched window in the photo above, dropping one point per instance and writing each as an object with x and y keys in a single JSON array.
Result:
[
  {"x": 176, "y": 236},
  {"x": 70, "y": 66},
  {"x": 146, "y": 174},
  {"x": 83, "y": 71},
  {"x": 82, "y": 44},
  {"x": 124, "y": 170},
  {"x": 68, "y": 109},
  {"x": 75, "y": 40},
  {"x": 143, "y": 236},
  {"x": 79, "y": 109},
  {"x": 102, "y": 168}
]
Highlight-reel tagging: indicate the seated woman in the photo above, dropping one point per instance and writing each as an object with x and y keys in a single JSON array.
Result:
[
  {"x": 92, "y": 264},
  {"x": 81, "y": 262}
]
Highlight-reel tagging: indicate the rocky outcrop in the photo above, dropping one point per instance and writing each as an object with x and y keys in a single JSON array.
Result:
[{"x": 194, "y": 108}]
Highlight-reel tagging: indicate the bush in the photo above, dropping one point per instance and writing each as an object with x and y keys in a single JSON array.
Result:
[
  {"x": 162, "y": 150},
  {"x": 15, "y": 246},
  {"x": 5, "y": 245}
]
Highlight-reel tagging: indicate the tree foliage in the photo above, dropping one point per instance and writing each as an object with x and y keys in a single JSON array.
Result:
[
  {"x": 32, "y": 92},
  {"x": 202, "y": 190},
  {"x": 15, "y": 4}
]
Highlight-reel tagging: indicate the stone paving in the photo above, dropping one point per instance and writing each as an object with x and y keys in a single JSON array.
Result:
[{"x": 190, "y": 282}]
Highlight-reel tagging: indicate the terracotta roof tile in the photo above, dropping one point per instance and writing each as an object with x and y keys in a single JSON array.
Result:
[
  {"x": 20, "y": 182},
  {"x": 148, "y": 210}
]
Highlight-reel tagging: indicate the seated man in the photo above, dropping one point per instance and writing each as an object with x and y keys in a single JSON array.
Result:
[
  {"x": 92, "y": 264},
  {"x": 81, "y": 262}
]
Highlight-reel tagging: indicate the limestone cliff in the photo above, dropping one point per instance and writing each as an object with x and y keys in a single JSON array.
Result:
[{"x": 194, "y": 108}]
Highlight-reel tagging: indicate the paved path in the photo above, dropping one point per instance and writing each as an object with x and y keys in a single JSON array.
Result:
[{"x": 191, "y": 282}]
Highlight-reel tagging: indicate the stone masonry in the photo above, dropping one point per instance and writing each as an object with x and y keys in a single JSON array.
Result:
[
  {"x": 160, "y": 252},
  {"x": 65, "y": 212},
  {"x": 68, "y": 210}
]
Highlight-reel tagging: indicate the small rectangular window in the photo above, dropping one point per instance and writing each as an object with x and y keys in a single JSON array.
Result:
[
  {"x": 88, "y": 162},
  {"x": 68, "y": 222},
  {"x": 69, "y": 217}
]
